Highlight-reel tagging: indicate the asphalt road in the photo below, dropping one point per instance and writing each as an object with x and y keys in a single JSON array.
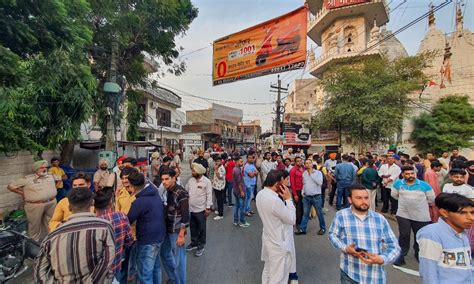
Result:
[{"x": 232, "y": 254}]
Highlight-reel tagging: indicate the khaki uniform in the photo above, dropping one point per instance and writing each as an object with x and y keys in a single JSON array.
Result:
[
  {"x": 40, "y": 201},
  {"x": 102, "y": 177}
]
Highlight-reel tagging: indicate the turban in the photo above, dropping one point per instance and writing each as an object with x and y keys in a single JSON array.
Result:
[
  {"x": 38, "y": 164},
  {"x": 199, "y": 169}
]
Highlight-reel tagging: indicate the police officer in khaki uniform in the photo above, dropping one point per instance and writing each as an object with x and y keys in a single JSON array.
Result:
[{"x": 39, "y": 193}]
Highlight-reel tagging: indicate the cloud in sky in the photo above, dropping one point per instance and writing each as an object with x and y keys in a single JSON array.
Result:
[{"x": 218, "y": 18}]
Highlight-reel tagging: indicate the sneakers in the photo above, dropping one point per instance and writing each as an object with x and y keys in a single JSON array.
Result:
[
  {"x": 321, "y": 232},
  {"x": 231, "y": 205},
  {"x": 217, "y": 218},
  {"x": 199, "y": 252},
  {"x": 248, "y": 214},
  {"x": 325, "y": 210},
  {"x": 191, "y": 247},
  {"x": 244, "y": 225},
  {"x": 216, "y": 212},
  {"x": 235, "y": 224}
]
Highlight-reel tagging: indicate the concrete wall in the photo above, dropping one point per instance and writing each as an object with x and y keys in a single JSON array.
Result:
[{"x": 12, "y": 168}]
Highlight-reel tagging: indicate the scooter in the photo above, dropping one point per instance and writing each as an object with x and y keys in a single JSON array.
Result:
[{"x": 286, "y": 44}]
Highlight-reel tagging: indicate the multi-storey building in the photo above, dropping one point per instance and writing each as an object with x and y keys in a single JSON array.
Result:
[{"x": 217, "y": 126}]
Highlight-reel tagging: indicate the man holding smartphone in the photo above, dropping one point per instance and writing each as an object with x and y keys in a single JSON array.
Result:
[
  {"x": 365, "y": 239},
  {"x": 276, "y": 216}
]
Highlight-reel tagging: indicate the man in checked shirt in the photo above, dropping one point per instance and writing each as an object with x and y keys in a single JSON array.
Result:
[
  {"x": 122, "y": 231},
  {"x": 365, "y": 239}
]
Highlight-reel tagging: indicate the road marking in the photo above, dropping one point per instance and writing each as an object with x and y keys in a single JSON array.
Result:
[{"x": 407, "y": 270}]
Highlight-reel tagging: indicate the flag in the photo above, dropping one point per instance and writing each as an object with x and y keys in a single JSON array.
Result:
[{"x": 432, "y": 83}]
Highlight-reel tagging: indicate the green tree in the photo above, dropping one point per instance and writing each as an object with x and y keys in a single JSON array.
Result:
[
  {"x": 368, "y": 99},
  {"x": 46, "y": 85},
  {"x": 450, "y": 124},
  {"x": 136, "y": 27}
]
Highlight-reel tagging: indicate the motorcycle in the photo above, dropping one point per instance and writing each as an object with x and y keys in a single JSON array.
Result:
[{"x": 15, "y": 248}]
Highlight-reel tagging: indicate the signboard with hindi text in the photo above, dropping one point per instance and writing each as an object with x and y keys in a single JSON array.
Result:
[{"x": 271, "y": 47}]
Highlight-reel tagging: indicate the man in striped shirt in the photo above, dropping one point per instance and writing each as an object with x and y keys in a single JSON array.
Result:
[
  {"x": 365, "y": 239},
  {"x": 79, "y": 251}
]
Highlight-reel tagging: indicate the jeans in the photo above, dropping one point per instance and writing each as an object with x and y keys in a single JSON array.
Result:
[
  {"x": 228, "y": 191},
  {"x": 308, "y": 202},
  {"x": 220, "y": 195},
  {"x": 342, "y": 191},
  {"x": 405, "y": 226},
  {"x": 248, "y": 197},
  {"x": 197, "y": 225},
  {"x": 148, "y": 263},
  {"x": 345, "y": 279},
  {"x": 323, "y": 195},
  {"x": 239, "y": 210},
  {"x": 175, "y": 270},
  {"x": 299, "y": 208}
]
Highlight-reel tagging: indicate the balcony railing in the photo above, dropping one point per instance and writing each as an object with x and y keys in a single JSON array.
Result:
[{"x": 328, "y": 56}]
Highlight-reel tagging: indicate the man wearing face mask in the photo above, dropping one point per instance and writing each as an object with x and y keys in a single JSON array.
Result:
[{"x": 39, "y": 192}]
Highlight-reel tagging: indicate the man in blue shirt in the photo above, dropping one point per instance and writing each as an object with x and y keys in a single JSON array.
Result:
[
  {"x": 345, "y": 176},
  {"x": 365, "y": 239},
  {"x": 445, "y": 255},
  {"x": 250, "y": 180}
]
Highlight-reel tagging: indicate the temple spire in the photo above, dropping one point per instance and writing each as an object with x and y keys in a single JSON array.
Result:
[
  {"x": 431, "y": 16},
  {"x": 459, "y": 18}
]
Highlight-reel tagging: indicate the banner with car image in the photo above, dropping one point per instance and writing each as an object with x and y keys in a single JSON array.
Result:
[{"x": 275, "y": 46}]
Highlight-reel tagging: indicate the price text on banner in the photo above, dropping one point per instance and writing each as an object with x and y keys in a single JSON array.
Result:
[{"x": 275, "y": 46}]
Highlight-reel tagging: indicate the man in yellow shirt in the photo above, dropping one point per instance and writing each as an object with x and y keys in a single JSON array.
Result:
[
  {"x": 62, "y": 212},
  {"x": 59, "y": 176},
  {"x": 125, "y": 195}
]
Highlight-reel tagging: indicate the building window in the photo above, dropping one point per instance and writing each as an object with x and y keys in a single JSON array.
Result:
[{"x": 163, "y": 117}]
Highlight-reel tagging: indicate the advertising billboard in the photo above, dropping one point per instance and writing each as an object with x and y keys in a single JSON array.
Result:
[
  {"x": 333, "y": 4},
  {"x": 275, "y": 46},
  {"x": 296, "y": 134}
]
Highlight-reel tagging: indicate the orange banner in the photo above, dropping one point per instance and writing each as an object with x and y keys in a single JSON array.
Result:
[{"x": 275, "y": 46}]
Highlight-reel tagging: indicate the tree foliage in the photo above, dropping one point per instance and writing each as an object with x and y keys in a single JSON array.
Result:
[
  {"x": 56, "y": 54},
  {"x": 368, "y": 99},
  {"x": 45, "y": 83},
  {"x": 450, "y": 124}
]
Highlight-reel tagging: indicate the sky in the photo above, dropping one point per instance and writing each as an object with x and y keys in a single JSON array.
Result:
[{"x": 218, "y": 18}]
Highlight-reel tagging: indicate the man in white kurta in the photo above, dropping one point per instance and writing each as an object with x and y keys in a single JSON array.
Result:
[{"x": 275, "y": 215}]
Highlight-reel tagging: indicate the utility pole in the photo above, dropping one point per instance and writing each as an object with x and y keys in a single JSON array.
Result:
[
  {"x": 279, "y": 107},
  {"x": 112, "y": 89}
]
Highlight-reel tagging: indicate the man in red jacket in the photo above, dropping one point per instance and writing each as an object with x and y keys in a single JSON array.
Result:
[{"x": 296, "y": 180}]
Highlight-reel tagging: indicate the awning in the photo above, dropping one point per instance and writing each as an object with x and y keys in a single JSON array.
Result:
[{"x": 98, "y": 144}]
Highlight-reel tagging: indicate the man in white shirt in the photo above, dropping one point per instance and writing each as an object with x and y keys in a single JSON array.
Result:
[
  {"x": 267, "y": 165},
  {"x": 275, "y": 215},
  {"x": 199, "y": 188},
  {"x": 458, "y": 185},
  {"x": 218, "y": 184},
  {"x": 312, "y": 197},
  {"x": 389, "y": 173}
]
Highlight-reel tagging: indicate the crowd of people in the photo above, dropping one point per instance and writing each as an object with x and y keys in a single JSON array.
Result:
[{"x": 129, "y": 223}]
